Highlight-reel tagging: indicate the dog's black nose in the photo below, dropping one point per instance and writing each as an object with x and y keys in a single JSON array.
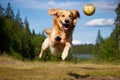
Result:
[
  {"x": 57, "y": 38},
  {"x": 66, "y": 21}
]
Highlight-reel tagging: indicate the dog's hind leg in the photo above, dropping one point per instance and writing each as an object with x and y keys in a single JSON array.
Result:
[{"x": 45, "y": 45}]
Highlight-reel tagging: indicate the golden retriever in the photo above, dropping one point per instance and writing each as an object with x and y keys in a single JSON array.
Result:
[{"x": 60, "y": 35}]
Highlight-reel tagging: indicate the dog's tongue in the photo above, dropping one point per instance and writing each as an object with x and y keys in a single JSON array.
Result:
[{"x": 65, "y": 28}]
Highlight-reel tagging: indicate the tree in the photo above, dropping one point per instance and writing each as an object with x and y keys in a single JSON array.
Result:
[
  {"x": 1, "y": 10},
  {"x": 27, "y": 26},
  {"x": 18, "y": 18},
  {"x": 98, "y": 39},
  {"x": 33, "y": 32},
  {"x": 9, "y": 12},
  {"x": 116, "y": 32}
]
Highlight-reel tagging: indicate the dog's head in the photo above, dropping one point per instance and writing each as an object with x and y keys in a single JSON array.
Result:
[{"x": 66, "y": 19}]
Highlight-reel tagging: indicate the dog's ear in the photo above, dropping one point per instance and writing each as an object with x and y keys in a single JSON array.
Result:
[
  {"x": 53, "y": 12},
  {"x": 76, "y": 14}
]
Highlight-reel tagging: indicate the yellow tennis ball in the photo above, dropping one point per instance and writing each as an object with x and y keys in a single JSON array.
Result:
[{"x": 89, "y": 9}]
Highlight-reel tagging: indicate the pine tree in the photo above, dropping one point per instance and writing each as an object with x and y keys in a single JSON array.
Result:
[
  {"x": 116, "y": 32},
  {"x": 98, "y": 39},
  {"x": 117, "y": 20},
  {"x": 9, "y": 12},
  {"x": 1, "y": 10},
  {"x": 18, "y": 18},
  {"x": 117, "y": 23},
  {"x": 27, "y": 26},
  {"x": 33, "y": 32}
]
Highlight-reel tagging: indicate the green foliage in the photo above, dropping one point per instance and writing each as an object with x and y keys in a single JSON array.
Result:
[
  {"x": 110, "y": 47},
  {"x": 83, "y": 49},
  {"x": 16, "y": 38},
  {"x": 37, "y": 41},
  {"x": 15, "y": 54},
  {"x": 108, "y": 50}
]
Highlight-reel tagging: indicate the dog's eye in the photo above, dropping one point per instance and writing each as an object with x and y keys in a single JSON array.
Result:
[
  {"x": 63, "y": 15},
  {"x": 70, "y": 16}
]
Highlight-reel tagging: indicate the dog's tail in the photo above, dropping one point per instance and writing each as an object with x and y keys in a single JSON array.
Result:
[{"x": 48, "y": 31}]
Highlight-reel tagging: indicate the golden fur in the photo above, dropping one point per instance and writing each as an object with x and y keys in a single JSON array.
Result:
[{"x": 60, "y": 35}]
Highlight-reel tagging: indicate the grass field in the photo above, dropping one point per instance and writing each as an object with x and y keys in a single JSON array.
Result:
[{"x": 11, "y": 69}]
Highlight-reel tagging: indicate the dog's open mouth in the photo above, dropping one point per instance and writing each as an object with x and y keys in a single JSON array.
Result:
[{"x": 66, "y": 26}]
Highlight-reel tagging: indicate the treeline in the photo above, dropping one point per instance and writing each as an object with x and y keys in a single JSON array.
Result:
[
  {"x": 83, "y": 49},
  {"x": 16, "y": 39}
]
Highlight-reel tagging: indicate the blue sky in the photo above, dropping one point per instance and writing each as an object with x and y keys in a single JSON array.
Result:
[{"x": 87, "y": 26}]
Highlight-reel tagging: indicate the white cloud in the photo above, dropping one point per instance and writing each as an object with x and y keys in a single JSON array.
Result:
[
  {"x": 100, "y": 22},
  {"x": 76, "y": 42},
  {"x": 88, "y": 42}
]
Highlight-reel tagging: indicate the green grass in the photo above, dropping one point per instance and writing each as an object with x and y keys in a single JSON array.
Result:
[{"x": 11, "y": 69}]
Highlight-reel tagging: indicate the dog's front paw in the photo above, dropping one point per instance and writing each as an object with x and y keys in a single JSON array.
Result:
[
  {"x": 63, "y": 57},
  {"x": 58, "y": 38},
  {"x": 40, "y": 56}
]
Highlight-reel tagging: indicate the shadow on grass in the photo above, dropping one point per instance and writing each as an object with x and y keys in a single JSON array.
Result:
[
  {"x": 77, "y": 76},
  {"x": 91, "y": 68}
]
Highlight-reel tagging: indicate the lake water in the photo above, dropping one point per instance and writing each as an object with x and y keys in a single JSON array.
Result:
[{"x": 84, "y": 56}]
